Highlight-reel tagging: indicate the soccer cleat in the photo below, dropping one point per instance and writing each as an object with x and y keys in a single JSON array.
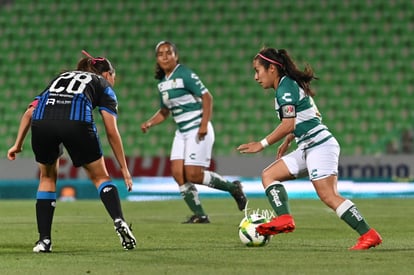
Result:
[
  {"x": 124, "y": 232},
  {"x": 239, "y": 195},
  {"x": 280, "y": 224},
  {"x": 197, "y": 219},
  {"x": 370, "y": 239},
  {"x": 43, "y": 246}
]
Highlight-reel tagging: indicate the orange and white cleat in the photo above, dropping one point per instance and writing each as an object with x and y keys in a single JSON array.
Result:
[
  {"x": 370, "y": 239},
  {"x": 281, "y": 224}
]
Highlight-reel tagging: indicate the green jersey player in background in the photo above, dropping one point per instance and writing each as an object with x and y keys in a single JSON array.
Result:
[
  {"x": 317, "y": 152},
  {"x": 184, "y": 96}
]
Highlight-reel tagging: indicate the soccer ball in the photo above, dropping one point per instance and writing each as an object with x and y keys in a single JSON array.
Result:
[{"x": 247, "y": 231}]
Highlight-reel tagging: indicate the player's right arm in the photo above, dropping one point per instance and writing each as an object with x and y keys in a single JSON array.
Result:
[
  {"x": 285, "y": 145},
  {"x": 157, "y": 118}
]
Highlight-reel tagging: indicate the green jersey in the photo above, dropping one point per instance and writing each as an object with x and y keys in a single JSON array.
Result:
[
  {"x": 292, "y": 101},
  {"x": 181, "y": 94}
]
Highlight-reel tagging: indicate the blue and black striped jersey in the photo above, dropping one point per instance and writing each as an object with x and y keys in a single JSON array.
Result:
[{"x": 73, "y": 95}]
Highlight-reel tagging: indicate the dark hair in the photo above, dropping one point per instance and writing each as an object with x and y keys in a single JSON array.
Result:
[
  {"x": 159, "y": 73},
  {"x": 100, "y": 66},
  {"x": 96, "y": 65},
  {"x": 286, "y": 66}
]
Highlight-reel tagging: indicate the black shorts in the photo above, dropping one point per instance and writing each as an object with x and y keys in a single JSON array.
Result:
[{"x": 79, "y": 138}]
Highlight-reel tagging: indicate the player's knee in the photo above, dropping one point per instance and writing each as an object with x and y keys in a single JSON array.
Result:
[
  {"x": 267, "y": 176},
  {"x": 329, "y": 200},
  {"x": 194, "y": 176}
]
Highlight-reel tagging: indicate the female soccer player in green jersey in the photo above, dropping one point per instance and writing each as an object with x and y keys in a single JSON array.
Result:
[
  {"x": 317, "y": 152},
  {"x": 184, "y": 96}
]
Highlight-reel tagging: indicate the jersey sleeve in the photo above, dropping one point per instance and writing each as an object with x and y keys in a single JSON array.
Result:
[
  {"x": 194, "y": 84},
  {"x": 34, "y": 103},
  {"x": 287, "y": 94},
  {"x": 162, "y": 105},
  {"x": 108, "y": 101}
]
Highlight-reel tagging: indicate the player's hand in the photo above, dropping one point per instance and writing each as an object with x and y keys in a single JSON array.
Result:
[
  {"x": 127, "y": 178},
  {"x": 201, "y": 134},
  {"x": 11, "y": 154},
  {"x": 251, "y": 147},
  {"x": 145, "y": 126},
  {"x": 128, "y": 183},
  {"x": 282, "y": 150}
]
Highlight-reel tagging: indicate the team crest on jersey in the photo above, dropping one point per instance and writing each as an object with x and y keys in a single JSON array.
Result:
[{"x": 288, "y": 111}]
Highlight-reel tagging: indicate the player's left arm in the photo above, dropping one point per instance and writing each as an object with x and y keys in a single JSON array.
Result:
[
  {"x": 115, "y": 140},
  {"x": 207, "y": 105},
  {"x": 108, "y": 108},
  {"x": 196, "y": 87}
]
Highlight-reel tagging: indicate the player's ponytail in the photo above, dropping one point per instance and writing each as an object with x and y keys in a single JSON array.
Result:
[{"x": 96, "y": 65}]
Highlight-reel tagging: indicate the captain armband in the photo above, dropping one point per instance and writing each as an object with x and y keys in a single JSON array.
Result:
[{"x": 287, "y": 111}]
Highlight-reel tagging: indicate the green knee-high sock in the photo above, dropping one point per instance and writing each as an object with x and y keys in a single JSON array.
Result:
[
  {"x": 190, "y": 195},
  {"x": 348, "y": 212},
  {"x": 216, "y": 181},
  {"x": 278, "y": 198}
]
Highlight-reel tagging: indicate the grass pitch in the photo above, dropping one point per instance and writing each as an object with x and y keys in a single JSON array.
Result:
[{"x": 84, "y": 241}]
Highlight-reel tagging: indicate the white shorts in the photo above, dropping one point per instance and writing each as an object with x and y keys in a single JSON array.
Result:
[
  {"x": 196, "y": 152},
  {"x": 318, "y": 162}
]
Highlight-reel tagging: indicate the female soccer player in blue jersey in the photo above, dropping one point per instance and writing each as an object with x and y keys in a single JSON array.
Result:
[
  {"x": 317, "y": 152},
  {"x": 184, "y": 96},
  {"x": 62, "y": 115}
]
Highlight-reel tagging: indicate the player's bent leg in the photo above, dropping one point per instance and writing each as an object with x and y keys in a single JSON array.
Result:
[
  {"x": 97, "y": 172},
  {"x": 238, "y": 195},
  {"x": 348, "y": 212},
  {"x": 109, "y": 195},
  {"x": 235, "y": 188},
  {"x": 327, "y": 191}
]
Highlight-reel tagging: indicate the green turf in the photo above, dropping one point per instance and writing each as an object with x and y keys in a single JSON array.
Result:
[{"x": 84, "y": 241}]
